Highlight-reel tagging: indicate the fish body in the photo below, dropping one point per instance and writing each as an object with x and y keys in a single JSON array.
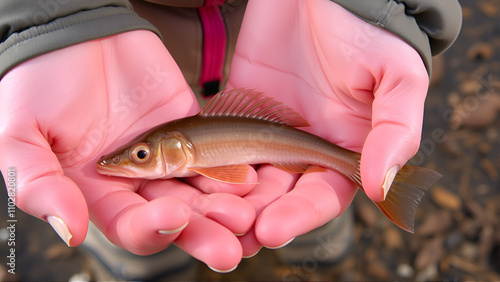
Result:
[
  {"x": 238, "y": 128},
  {"x": 240, "y": 140}
]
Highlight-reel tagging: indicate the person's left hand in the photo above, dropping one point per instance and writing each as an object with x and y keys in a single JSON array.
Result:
[{"x": 359, "y": 87}]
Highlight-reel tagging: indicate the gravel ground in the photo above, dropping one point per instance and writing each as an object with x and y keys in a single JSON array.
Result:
[{"x": 457, "y": 234}]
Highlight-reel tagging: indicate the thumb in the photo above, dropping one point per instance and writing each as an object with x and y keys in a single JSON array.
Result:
[
  {"x": 396, "y": 130},
  {"x": 36, "y": 184}
]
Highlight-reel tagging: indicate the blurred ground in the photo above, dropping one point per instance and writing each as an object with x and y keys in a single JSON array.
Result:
[{"x": 457, "y": 234}]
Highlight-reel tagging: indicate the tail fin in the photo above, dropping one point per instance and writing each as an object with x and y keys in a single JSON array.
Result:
[{"x": 405, "y": 194}]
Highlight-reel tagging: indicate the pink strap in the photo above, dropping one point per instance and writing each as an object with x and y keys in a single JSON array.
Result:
[{"x": 214, "y": 46}]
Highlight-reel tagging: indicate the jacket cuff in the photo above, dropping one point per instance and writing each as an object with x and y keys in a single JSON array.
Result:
[
  {"x": 65, "y": 31},
  {"x": 428, "y": 26}
]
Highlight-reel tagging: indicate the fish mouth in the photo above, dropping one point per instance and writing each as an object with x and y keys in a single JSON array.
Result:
[{"x": 104, "y": 168}]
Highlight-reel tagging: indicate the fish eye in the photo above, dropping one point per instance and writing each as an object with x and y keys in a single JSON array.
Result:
[
  {"x": 116, "y": 159},
  {"x": 140, "y": 153}
]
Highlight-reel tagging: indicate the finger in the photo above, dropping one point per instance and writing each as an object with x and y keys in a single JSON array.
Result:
[
  {"x": 148, "y": 228},
  {"x": 317, "y": 198},
  {"x": 40, "y": 188},
  {"x": 125, "y": 217},
  {"x": 209, "y": 186},
  {"x": 231, "y": 211},
  {"x": 211, "y": 243},
  {"x": 251, "y": 246},
  {"x": 142, "y": 227},
  {"x": 273, "y": 183},
  {"x": 57, "y": 200},
  {"x": 397, "y": 126}
]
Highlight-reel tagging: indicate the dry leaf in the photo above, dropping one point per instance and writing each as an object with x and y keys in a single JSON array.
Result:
[
  {"x": 486, "y": 242},
  {"x": 435, "y": 223},
  {"x": 490, "y": 169},
  {"x": 488, "y": 8},
  {"x": 393, "y": 239},
  {"x": 476, "y": 111},
  {"x": 430, "y": 254},
  {"x": 368, "y": 213},
  {"x": 446, "y": 199},
  {"x": 480, "y": 51}
]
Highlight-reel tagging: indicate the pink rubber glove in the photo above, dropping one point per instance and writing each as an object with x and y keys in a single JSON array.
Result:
[
  {"x": 359, "y": 86},
  {"x": 61, "y": 111}
]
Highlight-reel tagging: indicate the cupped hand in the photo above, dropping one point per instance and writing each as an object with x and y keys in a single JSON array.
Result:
[
  {"x": 358, "y": 86},
  {"x": 61, "y": 111}
]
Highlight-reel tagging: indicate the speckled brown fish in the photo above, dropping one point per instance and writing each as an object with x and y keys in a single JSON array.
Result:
[{"x": 240, "y": 127}]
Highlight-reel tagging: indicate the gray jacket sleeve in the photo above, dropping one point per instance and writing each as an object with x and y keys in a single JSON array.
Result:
[
  {"x": 429, "y": 26},
  {"x": 31, "y": 28}
]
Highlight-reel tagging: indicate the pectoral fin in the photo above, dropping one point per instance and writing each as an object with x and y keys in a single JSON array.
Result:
[{"x": 235, "y": 174}]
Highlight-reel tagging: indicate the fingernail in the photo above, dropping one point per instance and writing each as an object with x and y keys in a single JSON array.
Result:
[
  {"x": 252, "y": 255},
  {"x": 168, "y": 232},
  {"x": 281, "y": 246},
  {"x": 61, "y": 228},
  {"x": 389, "y": 178},
  {"x": 222, "y": 271}
]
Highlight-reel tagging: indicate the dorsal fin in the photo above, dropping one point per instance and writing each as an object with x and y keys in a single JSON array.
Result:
[{"x": 241, "y": 102}]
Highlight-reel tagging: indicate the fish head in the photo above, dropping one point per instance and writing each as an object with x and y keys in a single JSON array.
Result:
[
  {"x": 139, "y": 160},
  {"x": 161, "y": 156}
]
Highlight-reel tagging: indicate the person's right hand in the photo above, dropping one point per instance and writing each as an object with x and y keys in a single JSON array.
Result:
[{"x": 61, "y": 111}]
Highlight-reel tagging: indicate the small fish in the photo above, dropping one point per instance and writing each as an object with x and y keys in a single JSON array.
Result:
[{"x": 240, "y": 127}]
